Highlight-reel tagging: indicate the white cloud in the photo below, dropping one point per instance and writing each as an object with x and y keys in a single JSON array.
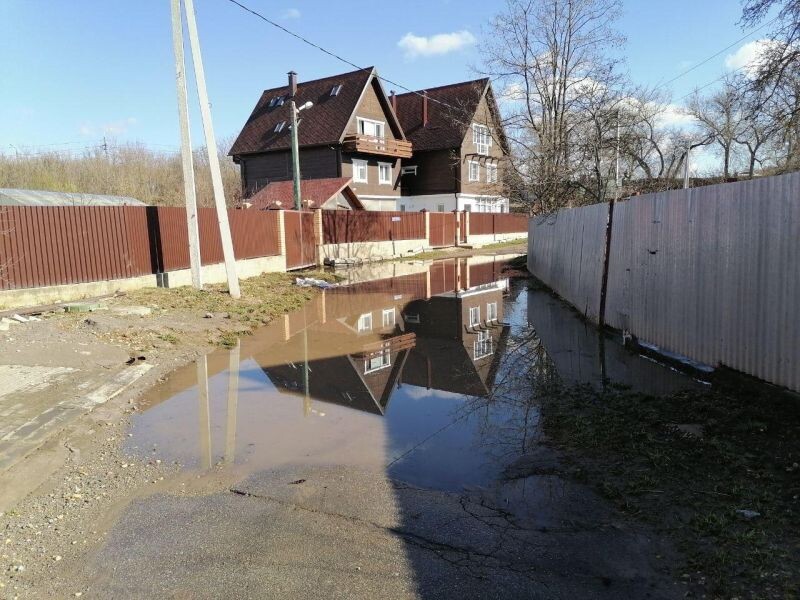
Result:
[
  {"x": 747, "y": 56},
  {"x": 291, "y": 13},
  {"x": 676, "y": 116},
  {"x": 440, "y": 43}
]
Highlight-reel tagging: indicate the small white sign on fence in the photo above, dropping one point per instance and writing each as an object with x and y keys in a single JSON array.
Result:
[{"x": 395, "y": 219}]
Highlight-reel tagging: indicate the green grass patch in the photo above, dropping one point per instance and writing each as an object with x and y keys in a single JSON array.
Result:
[{"x": 691, "y": 487}]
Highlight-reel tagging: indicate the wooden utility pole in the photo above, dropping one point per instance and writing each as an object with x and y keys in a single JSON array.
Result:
[
  {"x": 213, "y": 159},
  {"x": 295, "y": 158},
  {"x": 186, "y": 147}
]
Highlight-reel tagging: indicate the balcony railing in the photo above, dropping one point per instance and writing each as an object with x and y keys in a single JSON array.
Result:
[{"x": 369, "y": 144}]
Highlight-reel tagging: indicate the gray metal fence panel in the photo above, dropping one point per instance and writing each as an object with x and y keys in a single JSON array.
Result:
[
  {"x": 566, "y": 253},
  {"x": 712, "y": 273}
]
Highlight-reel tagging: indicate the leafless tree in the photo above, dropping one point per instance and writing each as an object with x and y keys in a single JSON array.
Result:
[
  {"x": 550, "y": 54},
  {"x": 780, "y": 59},
  {"x": 721, "y": 115}
]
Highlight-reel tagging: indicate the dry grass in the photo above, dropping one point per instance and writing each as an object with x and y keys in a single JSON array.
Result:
[{"x": 127, "y": 170}]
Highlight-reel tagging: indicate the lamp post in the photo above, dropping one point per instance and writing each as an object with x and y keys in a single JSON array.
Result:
[{"x": 296, "y": 151}]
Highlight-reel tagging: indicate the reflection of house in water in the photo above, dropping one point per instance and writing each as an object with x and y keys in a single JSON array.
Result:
[{"x": 439, "y": 328}]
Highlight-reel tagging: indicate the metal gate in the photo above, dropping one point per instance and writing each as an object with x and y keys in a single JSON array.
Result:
[
  {"x": 443, "y": 229},
  {"x": 301, "y": 245}
]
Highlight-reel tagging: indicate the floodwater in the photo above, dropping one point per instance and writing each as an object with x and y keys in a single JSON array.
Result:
[{"x": 428, "y": 373}]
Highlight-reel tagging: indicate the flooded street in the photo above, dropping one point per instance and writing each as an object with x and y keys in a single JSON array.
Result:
[
  {"x": 384, "y": 441},
  {"x": 427, "y": 377}
]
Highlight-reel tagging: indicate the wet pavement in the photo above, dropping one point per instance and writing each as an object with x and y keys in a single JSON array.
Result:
[{"x": 384, "y": 441}]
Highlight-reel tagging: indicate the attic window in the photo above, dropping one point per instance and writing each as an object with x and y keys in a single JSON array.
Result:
[
  {"x": 408, "y": 170},
  {"x": 336, "y": 89},
  {"x": 279, "y": 127},
  {"x": 276, "y": 101}
]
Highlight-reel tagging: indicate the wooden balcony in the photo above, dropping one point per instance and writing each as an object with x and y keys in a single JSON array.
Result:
[{"x": 369, "y": 144}]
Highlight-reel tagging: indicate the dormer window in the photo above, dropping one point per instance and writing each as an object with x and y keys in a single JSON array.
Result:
[
  {"x": 481, "y": 138},
  {"x": 279, "y": 127},
  {"x": 276, "y": 101},
  {"x": 336, "y": 89}
]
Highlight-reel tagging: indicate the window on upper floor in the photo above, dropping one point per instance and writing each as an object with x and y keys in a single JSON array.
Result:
[
  {"x": 378, "y": 361},
  {"x": 491, "y": 311},
  {"x": 370, "y": 127},
  {"x": 336, "y": 89},
  {"x": 474, "y": 171},
  {"x": 276, "y": 101},
  {"x": 385, "y": 173},
  {"x": 474, "y": 316},
  {"x": 388, "y": 317},
  {"x": 491, "y": 173},
  {"x": 483, "y": 345},
  {"x": 360, "y": 171},
  {"x": 481, "y": 138},
  {"x": 279, "y": 127},
  {"x": 364, "y": 322}
]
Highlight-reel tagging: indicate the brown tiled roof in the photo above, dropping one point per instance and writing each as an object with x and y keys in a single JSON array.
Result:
[
  {"x": 314, "y": 192},
  {"x": 324, "y": 123},
  {"x": 450, "y": 111}
]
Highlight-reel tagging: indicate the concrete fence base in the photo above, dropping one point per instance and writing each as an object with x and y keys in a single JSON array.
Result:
[{"x": 372, "y": 251}]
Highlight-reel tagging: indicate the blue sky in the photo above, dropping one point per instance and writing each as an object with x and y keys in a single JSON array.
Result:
[{"x": 74, "y": 71}]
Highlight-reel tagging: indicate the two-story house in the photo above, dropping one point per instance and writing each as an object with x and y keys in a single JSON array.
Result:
[
  {"x": 350, "y": 132},
  {"x": 459, "y": 149}
]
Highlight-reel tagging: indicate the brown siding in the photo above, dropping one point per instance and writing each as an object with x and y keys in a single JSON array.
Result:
[
  {"x": 372, "y": 188},
  {"x": 371, "y": 108},
  {"x": 315, "y": 163},
  {"x": 437, "y": 173},
  {"x": 469, "y": 152}
]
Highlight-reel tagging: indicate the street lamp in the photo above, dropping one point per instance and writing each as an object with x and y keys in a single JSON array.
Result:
[{"x": 296, "y": 152}]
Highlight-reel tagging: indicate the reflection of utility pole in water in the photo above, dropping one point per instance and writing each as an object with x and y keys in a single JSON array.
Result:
[
  {"x": 306, "y": 390},
  {"x": 205, "y": 417},
  {"x": 233, "y": 401}
]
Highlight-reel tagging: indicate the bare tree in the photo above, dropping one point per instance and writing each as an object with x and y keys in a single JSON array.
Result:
[
  {"x": 550, "y": 53},
  {"x": 781, "y": 58},
  {"x": 721, "y": 115}
]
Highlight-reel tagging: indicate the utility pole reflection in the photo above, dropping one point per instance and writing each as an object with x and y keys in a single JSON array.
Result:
[
  {"x": 233, "y": 402},
  {"x": 205, "y": 417}
]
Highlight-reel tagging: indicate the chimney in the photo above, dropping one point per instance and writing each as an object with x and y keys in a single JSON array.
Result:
[
  {"x": 425, "y": 108},
  {"x": 393, "y": 100},
  {"x": 292, "y": 84}
]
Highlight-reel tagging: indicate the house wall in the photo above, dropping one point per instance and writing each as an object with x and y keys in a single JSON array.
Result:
[
  {"x": 469, "y": 152},
  {"x": 451, "y": 201},
  {"x": 371, "y": 108},
  {"x": 437, "y": 173},
  {"x": 372, "y": 190},
  {"x": 315, "y": 163}
]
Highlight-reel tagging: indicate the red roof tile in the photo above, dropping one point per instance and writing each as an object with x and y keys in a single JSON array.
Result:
[{"x": 314, "y": 192}]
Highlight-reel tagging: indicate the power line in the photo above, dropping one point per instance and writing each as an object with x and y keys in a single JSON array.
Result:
[
  {"x": 713, "y": 56},
  {"x": 333, "y": 54}
]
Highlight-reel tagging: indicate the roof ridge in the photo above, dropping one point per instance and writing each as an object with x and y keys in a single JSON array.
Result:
[
  {"x": 441, "y": 87},
  {"x": 365, "y": 70}
]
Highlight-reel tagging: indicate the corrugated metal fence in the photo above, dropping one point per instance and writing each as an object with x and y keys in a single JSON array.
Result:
[
  {"x": 49, "y": 245},
  {"x": 712, "y": 273},
  {"x": 344, "y": 226}
]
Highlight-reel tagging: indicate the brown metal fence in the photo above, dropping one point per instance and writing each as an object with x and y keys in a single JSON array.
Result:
[
  {"x": 491, "y": 223},
  {"x": 442, "y": 229},
  {"x": 301, "y": 243},
  {"x": 340, "y": 227},
  {"x": 55, "y": 245}
]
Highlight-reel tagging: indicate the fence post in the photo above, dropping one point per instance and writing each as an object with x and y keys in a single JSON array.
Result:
[
  {"x": 465, "y": 225},
  {"x": 457, "y": 213},
  {"x": 427, "y": 226},
  {"x": 319, "y": 234},
  {"x": 494, "y": 227},
  {"x": 282, "y": 236}
]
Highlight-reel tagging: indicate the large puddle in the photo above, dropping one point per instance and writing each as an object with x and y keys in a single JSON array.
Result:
[{"x": 427, "y": 372}]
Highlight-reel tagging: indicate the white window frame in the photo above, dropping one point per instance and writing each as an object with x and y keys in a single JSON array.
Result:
[
  {"x": 361, "y": 122},
  {"x": 482, "y": 138},
  {"x": 384, "y": 360},
  {"x": 388, "y": 322},
  {"x": 477, "y": 176},
  {"x": 491, "y": 173},
  {"x": 474, "y": 316},
  {"x": 357, "y": 164},
  {"x": 381, "y": 180},
  {"x": 364, "y": 322},
  {"x": 483, "y": 345},
  {"x": 491, "y": 311}
]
